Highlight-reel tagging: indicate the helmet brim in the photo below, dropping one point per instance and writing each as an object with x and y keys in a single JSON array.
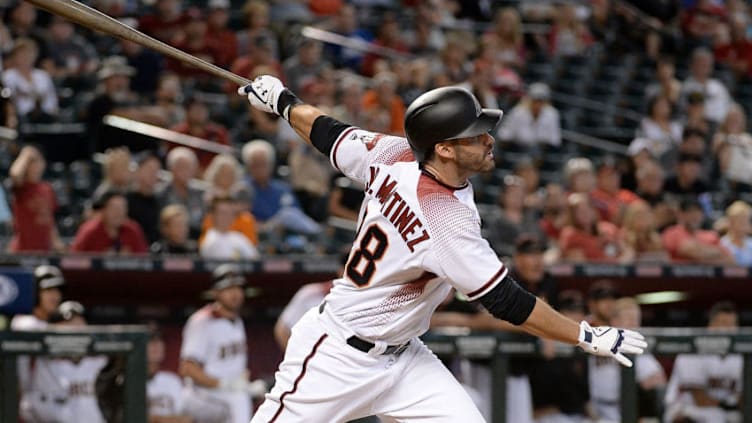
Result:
[{"x": 486, "y": 122}]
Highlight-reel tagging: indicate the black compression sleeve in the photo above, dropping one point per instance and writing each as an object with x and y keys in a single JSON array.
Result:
[
  {"x": 325, "y": 131},
  {"x": 508, "y": 301}
]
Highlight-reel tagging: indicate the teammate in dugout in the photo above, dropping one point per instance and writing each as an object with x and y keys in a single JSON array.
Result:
[{"x": 358, "y": 353}]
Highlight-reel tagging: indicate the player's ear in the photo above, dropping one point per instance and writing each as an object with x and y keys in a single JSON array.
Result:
[{"x": 444, "y": 150}]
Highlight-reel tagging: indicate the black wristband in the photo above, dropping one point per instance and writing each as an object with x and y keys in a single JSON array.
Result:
[{"x": 287, "y": 100}]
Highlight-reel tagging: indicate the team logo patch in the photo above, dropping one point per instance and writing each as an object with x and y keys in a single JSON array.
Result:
[
  {"x": 8, "y": 290},
  {"x": 370, "y": 140}
]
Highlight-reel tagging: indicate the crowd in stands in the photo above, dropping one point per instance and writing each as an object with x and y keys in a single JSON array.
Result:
[{"x": 677, "y": 189}]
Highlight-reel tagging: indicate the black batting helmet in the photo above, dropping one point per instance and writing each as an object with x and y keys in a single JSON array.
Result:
[
  {"x": 227, "y": 275},
  {"x": 445, "y": 114}
]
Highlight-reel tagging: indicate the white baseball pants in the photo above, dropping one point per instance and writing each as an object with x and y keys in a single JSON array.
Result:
[{"x": 323, "y": 379}]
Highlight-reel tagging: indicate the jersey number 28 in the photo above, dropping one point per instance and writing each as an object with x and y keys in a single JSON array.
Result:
[{"x": 372, "y": 247}]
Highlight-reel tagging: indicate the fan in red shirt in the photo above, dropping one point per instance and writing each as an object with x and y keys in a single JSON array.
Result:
[
  {"x": 687, "y": 242},
  {"x": 587, "y": 239},
  {"x": 166, "y": 23},
  {"x": 608, "y": 191},
  {"x": 194, "y": 41},
  {"x": 110, "y": 230},
  {"x": 197, "y": 124},
  {"x": 34, "y": 205},
  {"x": 217, "y": 33}
]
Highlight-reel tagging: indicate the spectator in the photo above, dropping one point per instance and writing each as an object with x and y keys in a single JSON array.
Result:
[
  {"x": 174, "y": 231},
  {"x": 22, "y": 23},
  {"x": 605, "y": 394},
  {"x": 569, "y": 36},
  {"x": 274, "y": 205},
  {"x": 707, "y": 387},
  {"x": 167, "y": 21},
  {"x": 507, "y": 30},
  {"x": 33, "y": 91},
  {"x": 640, "y": 234},
  {"x": 198, "y": 124},
  {"x": 193, "y": 39},
  {"x": 738, "y": 238},
  {"x": 219, "y": 35},
  {"x": 579, "y": 175},
  {"x": 694, "y": 115},
  {"x": 34, "y": 204},
  {"x": 510, "y": 219},
  {"x": 145, "y": 196},
  {"x": 453, "y": 67},
  {"x": 148, "y": 65},
  {"x": 220, "y": 241},
  {"x": 262, "y": 54},
  {"x": 223, "y": 178},
  {"x": 426, "y": 38},
  {"x": 345, "y": 198},
  {"x": 734, "y": 48},
  {"x": 687, "y": 242},
  {"x": 164, "y": 389},
  {"x": 608, "y": 191},
  {"x": 169, "y": 98},
  {"x": 650, "y": 180},
  {"x": 346, "y": 23},
  {"x": 110, "y": 230},
  {"x": 686, "y": 182},
  {"x": 693, "y": 143},
  {"x": 383, "y": 96},
  {"x": 717, "y": 99},
  {"x": 667, "y": 85},
  {"x": 587, "y": 239},
  {"x": 530, "y": 175},
  {"x": 349, "y": 107},
  {"x": 554, "y": 212},
  {"x": 601, "y": 303},
  {"x": 418, "y": 79},
  {"x": 310, "y": 177},
  {"x": 183, "y": 189},
  {"x": 481, "y": 83},
  {"x": 243, "y": 223},
  {"x": 388, "y": 36},
  {"x": 118, "y": 174},
  {"x": 702, "y": 21},
  {"x": 732, "y": 139},
  {"x": 305, "y": 65},
  {"x": 70, "y": 58},
  {"x": 534, "y": 122},
  {"x": 663, "y": 132},
  {"x": 256, "y": 14}
]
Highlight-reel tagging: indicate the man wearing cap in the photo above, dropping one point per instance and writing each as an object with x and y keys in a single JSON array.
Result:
[
  {"x": 688, "y": 242},
  {"x": 534, "y": 121},
  {"x": 214, "y": 356}
]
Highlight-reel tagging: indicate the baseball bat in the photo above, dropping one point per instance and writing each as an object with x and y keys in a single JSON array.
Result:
[{"x": 91, "y": 18}]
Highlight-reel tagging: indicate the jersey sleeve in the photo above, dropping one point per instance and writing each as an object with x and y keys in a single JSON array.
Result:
[
  {"x": 460, "y": 252},
  {"x": 195, "y": 347},
  {"x": 355, "y": 150}
]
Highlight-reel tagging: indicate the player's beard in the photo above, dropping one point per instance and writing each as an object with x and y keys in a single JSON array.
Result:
[{"x": 468, "y": 159}]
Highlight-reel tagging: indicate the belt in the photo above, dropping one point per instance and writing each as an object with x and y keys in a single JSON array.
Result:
[{"x": 365, "y": 346}]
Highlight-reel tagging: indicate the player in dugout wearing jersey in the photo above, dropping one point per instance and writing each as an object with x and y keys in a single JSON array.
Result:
[{"x": 358, "y": 353}]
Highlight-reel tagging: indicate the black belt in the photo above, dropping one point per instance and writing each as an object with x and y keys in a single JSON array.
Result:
[{"x": 365, "y": 346}]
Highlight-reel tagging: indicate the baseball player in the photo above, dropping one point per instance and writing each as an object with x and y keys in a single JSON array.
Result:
[
  {"x": 164, "y": 390},
  {"x": 418, "y": 236},
  {"x": 49, "y": 281},
  {"x": 63, "y": 390},
  {"x": 706, "y": 388},
  {"x": 213, "y": 355}
]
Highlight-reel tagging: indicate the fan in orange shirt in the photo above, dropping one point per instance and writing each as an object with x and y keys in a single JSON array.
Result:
[
  {"x": 244, "y": 223},
  {"x": 383, "y": 95}
]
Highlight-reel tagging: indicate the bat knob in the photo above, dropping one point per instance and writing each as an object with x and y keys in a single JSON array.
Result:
[{"x": 247, "y": 89}]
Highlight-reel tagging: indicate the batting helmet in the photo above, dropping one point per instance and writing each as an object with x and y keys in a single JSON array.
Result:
[
  {"x": 445, "y": 114},
  {"x": 227, "y": 275},
  {"x": 47, "y": 276}
]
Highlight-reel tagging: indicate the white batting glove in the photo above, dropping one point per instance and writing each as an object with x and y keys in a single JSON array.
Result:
[
  {"x": 607, "y": 341},
  {"x": 263, "y": 93}
]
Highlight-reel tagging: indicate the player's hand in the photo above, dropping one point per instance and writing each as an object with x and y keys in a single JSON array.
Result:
[
  {"x": 268, "y": 94},
  {"x": 258, "y": 388},
  {"x": 607, "y": 341},
  {"x": 234, "y": 384}
]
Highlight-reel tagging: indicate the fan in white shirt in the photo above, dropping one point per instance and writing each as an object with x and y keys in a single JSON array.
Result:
[
  {"x": 222, "y": 243},
  {"x": 717, "y": 98},
  {"x": 31, "y": 87}
]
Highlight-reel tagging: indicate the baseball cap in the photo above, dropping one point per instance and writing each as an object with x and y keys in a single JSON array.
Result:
[
  {"x": 113, "y": 66},
  {"x": 48, "y": 277},
  {"x": 539, "y": 91},
  {"x": 67, "y": 311},
  {"x": 601, "y": 290},
  {"x": 227, "y": 275},
  {"x": 529, "y": 244}
]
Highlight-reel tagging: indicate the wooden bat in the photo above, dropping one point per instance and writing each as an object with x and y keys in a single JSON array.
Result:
[{"x": 94, "y": 19}]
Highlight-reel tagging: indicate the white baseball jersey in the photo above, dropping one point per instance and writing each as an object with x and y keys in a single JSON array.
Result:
[
  {"x": 415, "y": 235},
  {"x": 720, "y": 377},
  {"x": 219, "y": 346},
  {"x": 308, "y": 296},
  {"x": 604, "y": 376},
  {"x": 66, "y": 389},
  {"x": 26, "y": 322},
  {"x": 164, "y": 394}
]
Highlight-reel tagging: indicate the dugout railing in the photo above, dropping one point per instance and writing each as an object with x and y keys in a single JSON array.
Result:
[
  {"x": 499, "y": 347},
  {"x": 127, "y": 341}
]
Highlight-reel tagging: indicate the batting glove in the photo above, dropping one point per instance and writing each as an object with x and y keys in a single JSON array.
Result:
[
  {"x": 267, "y": 93},
  {"x": 611, "y": 342}
]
